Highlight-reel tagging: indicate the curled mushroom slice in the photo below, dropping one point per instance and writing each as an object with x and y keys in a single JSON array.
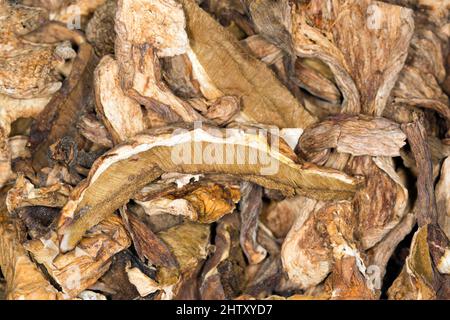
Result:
[
  {"x": 144, "y": 33},
  {"x": 364, "y": 58},
  {"x": 80, "y": 268},
  {"x": 120, "y": 173},
  {"x": 205, "y": 204},
  {"x": 24, "y": 194}
]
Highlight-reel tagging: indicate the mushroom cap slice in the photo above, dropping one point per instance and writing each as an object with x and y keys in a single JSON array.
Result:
[{"x": 120, "y": 173}]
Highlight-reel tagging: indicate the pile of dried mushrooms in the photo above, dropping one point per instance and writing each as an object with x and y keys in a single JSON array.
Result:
[{"x": 224, "y": 149}]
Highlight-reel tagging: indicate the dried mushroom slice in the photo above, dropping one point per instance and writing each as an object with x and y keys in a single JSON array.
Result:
[
  {"x": 415, "y": 282},
  {"x": 234, "y": 72},
  {"x": 351, "y": 38},
  {"x": 189, "y": 243},
  {"x": 60, "y": 115},
  {"x": 356, "y": 135},
  {"x": 388, "y": 198},
  {"x": 100, "y": 29},
  {"x": 120, "y": 173},
  {"x": 29, "y": 72},
  {"x": 80, "y": 268},
  {"x": 223, "y": 275},
  {"x": 250, "y": 209},
  {"x": 205, "y": 203},
  {"x": 121, "y": 115},
  {"x": 25, "y": 194},
  {"x": 147, "y": 244},
  {"x": 24, "y": 280},
  {"x": 144, "y": 33}
]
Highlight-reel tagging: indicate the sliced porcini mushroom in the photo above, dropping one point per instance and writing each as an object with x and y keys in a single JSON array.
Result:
[
  {"x": 233, "y": 72},
  {"x": 306, "y": 258},
  {"x": 178, "y": 74},
  {"x": 25, "y": 194},
  {"x": 123, "y": 171},
  {"x": 100, "y": 29},
  {"x": 189, "y": 244},
  {"x": 147, "y": 244},
  {"x": 121, "y": 115},
  {"x": 250, "y": 210},
  {"x": 95, "y": 131},
  {"x": 140, "y": 42},
  {"x": 380, "y": 254},
  {"x": 143, "y": 283},
  {"x": 347, "y": 282},
  {"x": 425, "y": 208},
  {"x": 342, "y": 46},
  {"x": 24, "y": 280},
  {"x": 356, "y": 135},
  {"x": 388, "y": 198},
  {"x": 75, "y": 96},
  {"x": 223, "y": 275},
  {"x": 415, "y": 282},
  {"x": 25, "y": 98},
  {"x": 205, "y": 204},
  {"x": 80, "y": 268}
]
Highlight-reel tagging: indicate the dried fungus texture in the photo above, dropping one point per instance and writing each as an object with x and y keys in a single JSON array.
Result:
[{"x": 224, "y": 149}]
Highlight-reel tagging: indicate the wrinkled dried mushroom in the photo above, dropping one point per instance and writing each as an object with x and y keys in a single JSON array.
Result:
[{"x": 206, "y": 149}]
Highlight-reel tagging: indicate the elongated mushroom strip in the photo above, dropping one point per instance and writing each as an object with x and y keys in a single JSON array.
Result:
[
  {"x": 250, "y": 209},
  {"x": 121, "y": 115},
  {"x": 146, "y": 243},
  {"x": 351, "y": 38},
  {"x": 120, "y": 173},
  {"x": 357, "y": 135},
  {"x": 234, "y": 72},
  {"x": 223, "y": 274},
  {"x": 24, "y": 280},
  {"x": 426, "y": 207},
  {"x": 63, "y": 111},
  {"x": 80, "y": 268}
]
